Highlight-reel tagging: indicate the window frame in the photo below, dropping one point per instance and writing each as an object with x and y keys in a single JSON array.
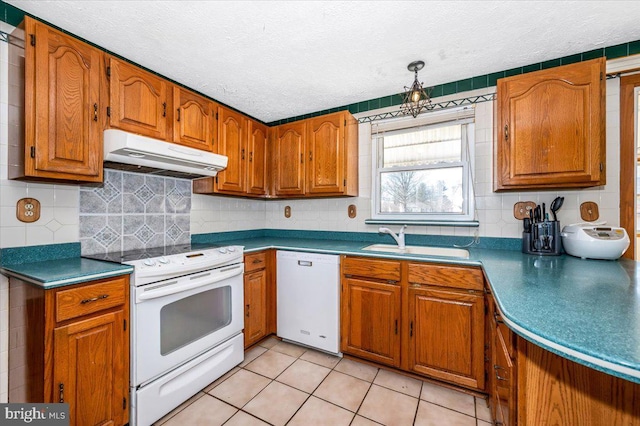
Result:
[{"x": 462, "y": 116}]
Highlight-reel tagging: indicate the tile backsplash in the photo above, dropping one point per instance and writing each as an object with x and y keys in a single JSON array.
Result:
[{"x": 134, "y": 211}]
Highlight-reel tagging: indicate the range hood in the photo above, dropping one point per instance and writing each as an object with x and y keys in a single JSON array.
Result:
[{"x": 136, "y": 150}]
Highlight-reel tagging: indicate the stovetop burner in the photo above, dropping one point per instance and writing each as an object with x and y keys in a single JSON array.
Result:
[{"x": 148, "y": 253}]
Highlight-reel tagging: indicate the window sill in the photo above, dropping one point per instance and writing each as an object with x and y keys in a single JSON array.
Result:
[{"x": 465, "y": 223}]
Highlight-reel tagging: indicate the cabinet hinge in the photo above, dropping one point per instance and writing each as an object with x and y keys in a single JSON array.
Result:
[
  {"x": 108, "y": 111},
  {"x": 345, "y": 121},
  {"x": 33, "y": 152},
  {"x": 601, "y": 167},
  {"x": 601, "y": 76},
  {"x": 344, "y": 182},
  {"x": 33, "y": 39},
  {"x": 108, "y": 71},
  {"x": 216, "y": 179},
  {"x": 216, "y": 115},
  {"x": 125, "y": 325},
  {"x": 124, "y": 403}
]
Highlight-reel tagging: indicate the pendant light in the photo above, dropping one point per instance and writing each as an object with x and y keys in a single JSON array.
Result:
[{"x": 415, "y": 97}]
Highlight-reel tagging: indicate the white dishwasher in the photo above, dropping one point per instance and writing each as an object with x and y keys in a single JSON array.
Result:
[{"x": 309, "y": 299}]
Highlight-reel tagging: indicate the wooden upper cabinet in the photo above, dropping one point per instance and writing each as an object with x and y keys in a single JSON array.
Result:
[
  {"x": 332, "y": 150},
  {"x": 195, "y": 122},
  {"x": 139, "y": 101},
  {"x": 289, "y": 159},
  {"x": 257, "y": 163},
  {"x": 551, "y": 128},
  {"x": 232, "y": 142},
  {"x": 63, "y": 133}
]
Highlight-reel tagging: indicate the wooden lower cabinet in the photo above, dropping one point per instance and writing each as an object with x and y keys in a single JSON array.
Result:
[
  {"x": 446, "y": 335},
  {"x": 259, "y": 296},
  {"x": 71, "y": 344},
  {"x": 370, "y": 320},
  {"x": 415, "y": 316}
]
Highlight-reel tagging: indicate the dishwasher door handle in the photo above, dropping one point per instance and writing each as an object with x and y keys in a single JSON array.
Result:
[{"x": 305, "y": 263}]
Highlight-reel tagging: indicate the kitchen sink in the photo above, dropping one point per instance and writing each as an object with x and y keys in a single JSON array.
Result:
[{"x": 428, "y": 251}]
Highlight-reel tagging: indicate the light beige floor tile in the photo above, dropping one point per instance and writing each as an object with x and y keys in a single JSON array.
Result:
[
  {"x": 483, "y": 423},
  {"x": 435, "y": 415},
  {"x": 206, "y": 411},
  {"x": 224, "y": 377},
  {"x": 238, "y": 389},
  {"x": 270, "y": 342},
  {"x": 483, "y": 412},
  {"x": 389, "y": 407},
  {"x": 179, "y": 408},
  {"x": 304, "y": 375},
  {"x": 289, "y": 349},
  {"x": 399, "y": 383},
  {"x": 252, "y": 354},
  {"x": 321, "y": 358},
  {"x": 276, "y": 404},
  {"x": 243, "y": 419},
  {"x": 270, "y": 364},
  {"x": 357, "y": 369},
  {"x": 448, "y": 398},
  {"x": 321, "y": 413},
  {"x": 361, "y": 421},
  {"x": 343, "y": 390}
]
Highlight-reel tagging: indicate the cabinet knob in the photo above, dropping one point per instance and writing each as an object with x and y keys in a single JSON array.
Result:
[
  {"x": 95, "y": 112},
  {"x": 506, "y": 132},
  {"x": 61, "y": 389}
]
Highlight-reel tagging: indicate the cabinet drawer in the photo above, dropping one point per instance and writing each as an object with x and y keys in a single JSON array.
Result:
[
  {"x": 255, "y": 261},
  {"x": 371, "y": 268},
  {"x": 445, "y": 276},
  {"x": 79, "y": 301}
]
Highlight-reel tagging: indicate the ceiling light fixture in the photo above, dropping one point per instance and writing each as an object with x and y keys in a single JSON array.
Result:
[{"x": 415, "y": 97}]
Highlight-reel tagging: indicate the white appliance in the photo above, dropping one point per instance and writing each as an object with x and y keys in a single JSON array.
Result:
[
  {"x": 129, "y": 148},
  {"x": 309, "y": 299},
  {"x": 186, "y": 323},
  {"x": 594, "y": 241}
]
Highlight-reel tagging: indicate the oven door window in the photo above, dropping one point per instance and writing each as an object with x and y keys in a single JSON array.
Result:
[{"x": 189, "y": 319}]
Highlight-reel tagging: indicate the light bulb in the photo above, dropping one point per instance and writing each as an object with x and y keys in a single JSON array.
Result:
[{"x": 415, "y": 96}]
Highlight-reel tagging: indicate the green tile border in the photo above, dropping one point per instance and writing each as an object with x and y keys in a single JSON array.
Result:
[{"x": 14, "y": 16}]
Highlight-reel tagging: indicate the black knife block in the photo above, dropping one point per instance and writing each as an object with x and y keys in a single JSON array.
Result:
[{"x": 544, "y": 239}]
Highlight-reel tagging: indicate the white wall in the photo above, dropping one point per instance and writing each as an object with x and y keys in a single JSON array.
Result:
[{"x": 59, "y": 222}]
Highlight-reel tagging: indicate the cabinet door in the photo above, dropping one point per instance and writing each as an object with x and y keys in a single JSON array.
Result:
[
  {"x": 551, "y": 128},
  {"x": 255, "y": 307},
  {"x": 233, "y": 144},
  {"x": 289, "y": 158},
  {"x": 446, "y": 335},
  {"x": 257, "y": 167},
  {"x": 138, "y": 101},
  {"x": 62, "y": 128},
  {"x": 370, "y": 320},
  {"x": 325, "y": 154},
  {"x": 89, "y": 362},
  {"x": 195, "y": 120}
]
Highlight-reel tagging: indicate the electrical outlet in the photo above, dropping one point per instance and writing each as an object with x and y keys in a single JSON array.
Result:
[{"x": 28, "y": 210}]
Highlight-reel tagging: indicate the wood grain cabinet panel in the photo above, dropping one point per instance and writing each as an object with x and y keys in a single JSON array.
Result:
[
  {"x": 195, "y": 122},
  {"x": 257, "y": 169},
  {"x": 551, "y": 126},
  {"x": 73, "y": 347},
  {"x": 370, "y": 320},
  {"x": 326, "y": 151},
  {"x": 233, "y": 144},
  {"x": 446, "y": 335},
  {"x": 139, "y": 102},
  {"x": 289, "y": 159},
  {"x": 63, "y": 132},
  {"x": 255, "y": 307}
]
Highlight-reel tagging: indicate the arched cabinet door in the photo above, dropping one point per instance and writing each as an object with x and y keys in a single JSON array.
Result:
[
  {"x": 289, "y": 159},
  {"x": 551, "y": 128},
  {"x": 138, "y": 101},
  {"x": 232, "y": 143},
  {"x": 63, "y": 134},
  {"x": 194, "y": 120}
]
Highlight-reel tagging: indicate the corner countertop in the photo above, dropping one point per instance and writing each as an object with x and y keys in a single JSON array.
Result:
[
  {"x": 584, "y": 310},
  {"x": 60, "y": 272}
]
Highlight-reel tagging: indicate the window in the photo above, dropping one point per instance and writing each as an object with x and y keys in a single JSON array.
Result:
[{"x": 422, "y": 168}]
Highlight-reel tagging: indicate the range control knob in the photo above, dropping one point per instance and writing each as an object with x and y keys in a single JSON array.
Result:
[
  {"x": 163, "y": 260},
  {"x": 222, "y": 250},
  {"x": 231, "y": 249},
  {"x": 149, "y": 262}
]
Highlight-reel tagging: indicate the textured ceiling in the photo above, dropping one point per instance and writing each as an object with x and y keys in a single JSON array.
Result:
[{"x": 278, "y": 59}]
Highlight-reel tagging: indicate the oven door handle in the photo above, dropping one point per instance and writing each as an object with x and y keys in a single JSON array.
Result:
[{"x": 189, "y": 283}]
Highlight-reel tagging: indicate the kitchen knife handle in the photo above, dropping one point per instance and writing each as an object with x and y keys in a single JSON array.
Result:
[{"x": 506, "y": 132}]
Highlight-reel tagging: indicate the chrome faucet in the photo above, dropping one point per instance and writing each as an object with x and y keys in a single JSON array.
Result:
[{"x": 399, "y": 238}]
